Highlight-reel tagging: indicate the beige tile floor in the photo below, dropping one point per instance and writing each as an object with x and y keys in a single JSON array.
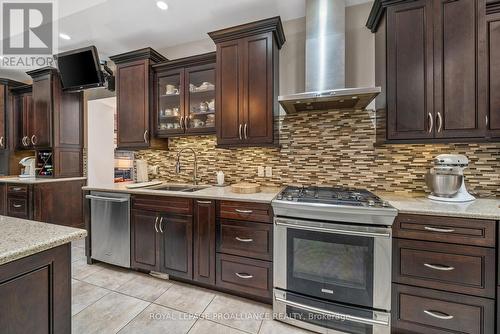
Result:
[{"x": 108, "y": 299}]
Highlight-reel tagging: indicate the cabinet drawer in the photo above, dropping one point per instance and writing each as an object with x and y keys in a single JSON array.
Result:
[
  {"x": 257, "y": 212},
  {"x": 454, "y": 268},
  {"x": 476, "y": 232},
  {"x": 19, "y": 190},
  {"x": 242, "y": 275},
  {"x": 245, "y": 239},
  {"x": 174, "y": 205},
  {"x": 418, "y": 310},
  {"x": 17, "y": 207}
]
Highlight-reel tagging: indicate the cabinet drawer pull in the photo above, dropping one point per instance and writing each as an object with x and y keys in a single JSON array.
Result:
[
  {"x": 439, "y": 315},
  {"x": 243, "y": 275},
  {"x": 243, "y": 211},
  {"x": 17, "y": 189},
  {"x": 239, "y": 132},
  {"x": 244, "y": 240},
  {"x": 439, "y": 267},
  {"x": 156, "y": 224},
  {"x": 17, "y": 205},
  {"x": 161, "y": 222},
  {"x": 204, "y": 202},
  {"x": 431, "y": 123},
  {"x": 441, "y": 230}
]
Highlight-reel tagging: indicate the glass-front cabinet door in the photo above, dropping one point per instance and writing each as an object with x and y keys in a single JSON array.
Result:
[
  {"x": 200, "y": 99},
  {"x": 170, "y": 110}
]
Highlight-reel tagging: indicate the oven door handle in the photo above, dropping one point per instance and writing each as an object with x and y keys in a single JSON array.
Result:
[
  {"x": 347, "y": 317},
  {"x": 336, "y": 231}
]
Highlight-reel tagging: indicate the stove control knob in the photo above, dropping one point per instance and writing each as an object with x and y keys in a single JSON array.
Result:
[
  {"x": 371, "y": 202},
  {"x": 385, "y": 204},
  {"x": 280, "y": 197},
  {"x": 289, "y": 197}
]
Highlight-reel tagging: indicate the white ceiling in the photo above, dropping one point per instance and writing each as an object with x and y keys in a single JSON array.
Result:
[{"x": 116, "y": 26}]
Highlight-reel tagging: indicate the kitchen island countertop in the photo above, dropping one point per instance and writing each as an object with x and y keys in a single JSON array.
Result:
[
  {"x": 418, "y": 203},
  {"x": 20, "y": 238}
]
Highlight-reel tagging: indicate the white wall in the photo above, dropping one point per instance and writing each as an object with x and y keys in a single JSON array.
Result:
[{"x": 100, "y": 142}]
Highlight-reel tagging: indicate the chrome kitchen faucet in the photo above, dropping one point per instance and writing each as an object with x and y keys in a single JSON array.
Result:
[{"x": 195, "y": 169}]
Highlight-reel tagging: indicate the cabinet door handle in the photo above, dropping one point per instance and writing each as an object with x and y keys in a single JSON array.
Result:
[
  {"x": 161, "y": 222},
  {"x": 440, "y": 230},
  {"x": 186, "y": 122},
  {"x": 431, "y": 122},
  {"x": 17, "y": 205},
  {"x": 156, "y": 224},
  {"x": 439, "y": 267},
  {"x": 239, "y": 132},
  {"x": 181, "y": 121},
  {"x": 145, "y": 136},
  {"x": 438, "y": 315},
  {"x": 246, "y": 131},
  {"x": 24, "y": 141},
  {"x": 487, "y": 120},
  {"x": 34, "y": 140},
  {"x": 2, "y": 141},
  {"x": 440, "y": 124},
  {"x": 243, "y": 275},
  {"x": 27, "y": 141},
  {"x": 243, "y": 240},
  {"x": 243, "y": 211},
  {"x": 204, "y": 202}
]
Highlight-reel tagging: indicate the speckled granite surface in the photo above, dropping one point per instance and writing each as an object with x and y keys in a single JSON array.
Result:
[
  {"x": 218, "y": 193},
  {"x": 20, "y": 238},
  {"x": 15, "y": 179},
  {"x": 418, "y": 203}
]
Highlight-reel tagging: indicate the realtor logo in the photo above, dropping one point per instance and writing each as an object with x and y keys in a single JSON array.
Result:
[
  {"x": 27, "y": 28},
  {"x": 29, "y": 36}
]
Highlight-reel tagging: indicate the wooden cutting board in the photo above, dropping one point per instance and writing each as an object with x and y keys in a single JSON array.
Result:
[{"x": 245, "y": 188}]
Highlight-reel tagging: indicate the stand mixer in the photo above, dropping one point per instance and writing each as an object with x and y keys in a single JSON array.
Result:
[{"x": 446, "y": 179}]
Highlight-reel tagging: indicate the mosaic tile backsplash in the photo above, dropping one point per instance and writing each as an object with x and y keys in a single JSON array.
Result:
[{"x": 328, "y": 148}]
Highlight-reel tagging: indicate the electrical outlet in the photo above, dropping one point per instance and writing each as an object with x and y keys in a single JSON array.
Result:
[
  {"x": 269, "y": 171},
  {"x": 260, "y": 171},
  {"x": 154, "y": 169}
]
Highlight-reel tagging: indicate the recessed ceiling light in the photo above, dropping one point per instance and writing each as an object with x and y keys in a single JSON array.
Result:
[
  {"x": 64, "y": 36},
  {"x": 162, "y": 5}
]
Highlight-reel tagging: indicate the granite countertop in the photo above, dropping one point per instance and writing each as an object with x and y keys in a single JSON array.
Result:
[
  {"x": 266, "y": 195},
  {"x": 418, "y": 203},
  {"x": 20, "y": 238},
  {"x": 33, "y": 180}
]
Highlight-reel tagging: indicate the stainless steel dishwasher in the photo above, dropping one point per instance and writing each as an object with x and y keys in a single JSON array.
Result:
[{"x": 110, "y": 227}]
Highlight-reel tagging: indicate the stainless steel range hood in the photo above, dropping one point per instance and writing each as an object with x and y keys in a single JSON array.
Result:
[{"x": 325, "y": 63}]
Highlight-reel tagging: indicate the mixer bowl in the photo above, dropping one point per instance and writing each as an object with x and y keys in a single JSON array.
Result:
[{"x": 444, "y": 185}]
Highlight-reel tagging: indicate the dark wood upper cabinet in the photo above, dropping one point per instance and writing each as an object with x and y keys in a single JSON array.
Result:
[
  {"x": 433, "y": 69},
  {"x": 459, "y": 82},
  {"x": 204, "y": 242},
  {"x": 409, "y": 71},
  {"x": 23, "y": 109},
  {"x": 493, "y": 55},
  {"x": 6, "y": 112},
  {"x": 185, "y": 96},
  {"x": 134, "y": 81},
  {"x": 53, "y": 126},
  {"x": 247, "y": 82}
]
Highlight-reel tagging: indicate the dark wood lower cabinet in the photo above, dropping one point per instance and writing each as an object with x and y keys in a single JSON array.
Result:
[
  {"x": 176, "y": 245},
  {"x": 36, "y": 293},
  {"x": 144, "y": 246},
  {"x": 204, "y": 242},
  {"x": 419, "y": 310},
  {"x": 245, "y": 276}
]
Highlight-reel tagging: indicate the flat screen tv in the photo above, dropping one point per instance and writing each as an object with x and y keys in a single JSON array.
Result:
[{"x": 80, "y": 69}]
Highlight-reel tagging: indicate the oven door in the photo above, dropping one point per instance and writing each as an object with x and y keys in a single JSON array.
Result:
[{"x": 337, "y": 262}]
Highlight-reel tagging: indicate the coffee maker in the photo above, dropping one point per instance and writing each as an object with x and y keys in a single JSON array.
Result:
[
  {"x": 29, "y": 167},
  {"x": 446, "y": 179}
]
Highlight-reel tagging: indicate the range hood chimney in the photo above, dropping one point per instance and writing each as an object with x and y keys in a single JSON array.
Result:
[{"x": 325, "y": 63}]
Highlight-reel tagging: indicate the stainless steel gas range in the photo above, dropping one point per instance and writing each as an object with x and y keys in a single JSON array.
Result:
[{"x": 332, "y": 260}]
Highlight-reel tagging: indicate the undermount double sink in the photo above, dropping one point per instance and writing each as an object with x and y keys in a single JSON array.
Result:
[{"x": 187, "y": 188}]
